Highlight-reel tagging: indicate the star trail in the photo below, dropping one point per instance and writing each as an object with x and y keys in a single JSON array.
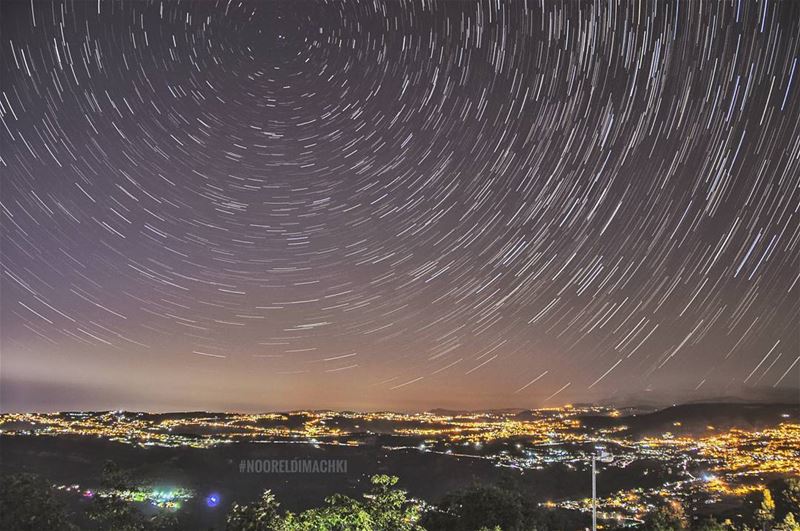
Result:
[{"x": 250, "y": 205}]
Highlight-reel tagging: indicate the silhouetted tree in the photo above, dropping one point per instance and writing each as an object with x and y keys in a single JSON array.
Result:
[
  {"x": 668, "y": 517},
  {"x": 786, "y": 493},
  {"x": 788, "y": 524},
  {"x": 390, "y": 507},
  {"x": 765, "y": 513},
  {"x": 27, "y": 503},
  {"x": 262, "y": 515},
  {"x": 711, "y": 524},
  {"x": 110, "y": 510},
  {"x": 476, "y": 508},
  {"x": 491, "y": 507},
  {"x": 384, "y": 508}
]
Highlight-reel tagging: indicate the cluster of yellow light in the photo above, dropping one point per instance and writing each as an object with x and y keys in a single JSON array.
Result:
[
  {"x": 719, "y": 486},
  {"x": 626, "y": 503},
  {"x": 735, "y": 456},
  {"x": 146, "y": 431},
  {"x": 551, "y": 423},
  {"x": 547, "y": 424},
  {"x": 107, "y": 425},
  {"x": 773, "y": 450},
  {"x": 534, "y": 431}
]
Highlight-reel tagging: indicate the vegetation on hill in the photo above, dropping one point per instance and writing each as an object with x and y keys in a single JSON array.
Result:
[{"x": 28, "y": 502}]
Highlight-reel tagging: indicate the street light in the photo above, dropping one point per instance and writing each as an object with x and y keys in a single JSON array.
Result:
[
  {"x": 604, "y": 457},
  {"x": 594, "y": 494}
]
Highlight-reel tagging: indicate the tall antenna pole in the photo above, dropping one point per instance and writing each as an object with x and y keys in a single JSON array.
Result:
[{"x": 594, "y": 494}]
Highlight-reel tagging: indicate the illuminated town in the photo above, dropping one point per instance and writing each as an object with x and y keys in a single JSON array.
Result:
[
  {"x": 706, "y": 465},
  {"x": 400, "y": 265}
]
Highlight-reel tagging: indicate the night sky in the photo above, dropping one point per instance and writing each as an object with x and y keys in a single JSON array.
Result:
[{"x": 262, "y": 205}]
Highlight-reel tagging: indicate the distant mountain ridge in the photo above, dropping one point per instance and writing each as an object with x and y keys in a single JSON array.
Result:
[
  {"x": 726, "y": 406},
  {"x": 699, "y": 418}
]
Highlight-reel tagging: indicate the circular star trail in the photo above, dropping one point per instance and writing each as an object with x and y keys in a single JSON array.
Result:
[{"x": 398, "y": 204}]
